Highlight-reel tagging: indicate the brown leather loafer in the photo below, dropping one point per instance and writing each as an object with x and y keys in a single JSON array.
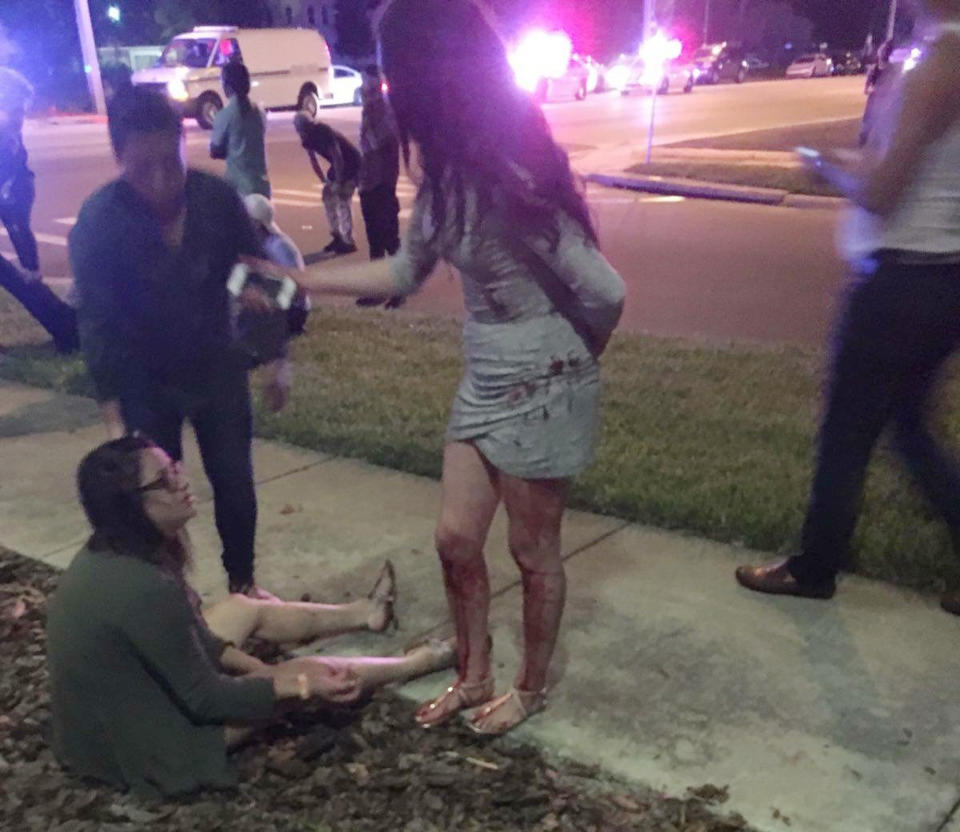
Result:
[
  {"x": 950, "y": 602},
  {"x": 775, "y": 579}
]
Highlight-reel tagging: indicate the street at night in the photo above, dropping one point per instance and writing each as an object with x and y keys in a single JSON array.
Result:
[
  {"x": 646, "y": 463},
  {"x": 747, "y": 272}
]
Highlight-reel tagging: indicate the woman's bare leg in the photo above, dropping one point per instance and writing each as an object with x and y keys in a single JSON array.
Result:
[
  {"x": 376, "y": 671},
  {"x": 534, "y": 515},
  {"x": 238, "y": 618},
  {"x": 469, "y": 501}
]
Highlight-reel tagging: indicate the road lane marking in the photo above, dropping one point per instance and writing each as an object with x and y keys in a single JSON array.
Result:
[
  {"x": 664, "y": 198},
  {"x": 71, "y": 221},
  {"x": 50, "y": 239},
  {"x": 297, "y": 203},
  {"x": 292, "y": 192}
]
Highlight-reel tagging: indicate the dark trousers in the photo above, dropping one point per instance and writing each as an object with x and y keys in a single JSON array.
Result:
[
  {"x": 897, "y": 326},
  {"x": 55, "y": 316},
  {"x": 15, "y": 215},
  {"x": 381, "y": 216},
  {"x": 223, "y": 422}
]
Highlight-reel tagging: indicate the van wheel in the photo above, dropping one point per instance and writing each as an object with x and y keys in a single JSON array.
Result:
[
  {"x": 207, "y": 108},
  {"x": 741, "y": 75},
  {"x": 664, "y": 86},
  {"x": 309, "y": 103},
  {"x": 581, "y": 92},
  {"x": 358, "y": 98}
]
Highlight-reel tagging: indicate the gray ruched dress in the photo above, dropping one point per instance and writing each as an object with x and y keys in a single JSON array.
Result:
[{"x": 529, "y": 399}]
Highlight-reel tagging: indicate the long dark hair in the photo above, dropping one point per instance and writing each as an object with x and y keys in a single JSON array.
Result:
[
  {"x": 235, "y": 78},
  {"x": 453, "y": 93},
  {"x": 108, "y": 480}
]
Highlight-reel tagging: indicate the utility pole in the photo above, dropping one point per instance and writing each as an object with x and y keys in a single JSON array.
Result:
[
  {"x": 741, "y": 31},
  {"x": 892, "y": 19},
  {"x": 706, "y": 21},
  {"x": 649, "y": 18},
  {"x": 91, "y": 63}
]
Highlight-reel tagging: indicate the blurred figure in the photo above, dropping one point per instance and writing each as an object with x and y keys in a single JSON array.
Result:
[
  {"x": 379, "y": 168},
  {"x": 152, "y": 252},
  {"x": 239, "y": 132},
  {"x": 280, "y": 249},
  {"x": 900, "y": 317},
  {"x": 339, "y": 180},
  {"x": 16, "y": 204},
  {"x": 265, "y": 334},
  {"x": 878, "y": 73}
]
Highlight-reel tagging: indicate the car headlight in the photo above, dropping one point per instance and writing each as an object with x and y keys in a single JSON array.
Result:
[
  {"x": 695, "y": 73},
  {"x": 618, "y": 76},
  {"x": 177, "y": 90}
]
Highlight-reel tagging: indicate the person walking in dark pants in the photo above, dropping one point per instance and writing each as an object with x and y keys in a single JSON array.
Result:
[
  {"x": 151, "y": 254},
  {"x": 379, "y": 168},
  {"x": 900, "y": 318},
  {"x": 16, "y": 204}
]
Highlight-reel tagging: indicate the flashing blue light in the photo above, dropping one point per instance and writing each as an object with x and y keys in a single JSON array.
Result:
[{"x": 113, "y": 13}]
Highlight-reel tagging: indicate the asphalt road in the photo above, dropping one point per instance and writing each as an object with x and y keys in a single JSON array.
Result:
[{"x": 694, "y": 268}]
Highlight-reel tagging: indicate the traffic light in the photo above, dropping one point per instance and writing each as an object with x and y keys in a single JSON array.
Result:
[{"x": 113, "y": 13}]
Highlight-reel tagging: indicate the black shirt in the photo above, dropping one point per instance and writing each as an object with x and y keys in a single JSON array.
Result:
[
  {"x": 150, "y": 315},
  {"x": 322, "y": 139}
]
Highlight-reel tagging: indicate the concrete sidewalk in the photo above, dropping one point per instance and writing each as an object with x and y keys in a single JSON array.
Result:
[{"x": 821, "y": 717}]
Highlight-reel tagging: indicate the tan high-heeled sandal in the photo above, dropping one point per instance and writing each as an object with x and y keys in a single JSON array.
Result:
[
  {"x": 453, "y": 700},
  {"x": 384, "y": 594},
  {"x": 514, "y": 698}
]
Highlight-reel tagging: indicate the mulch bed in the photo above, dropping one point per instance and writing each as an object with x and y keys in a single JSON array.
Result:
[{"x": 366, "y": 770}]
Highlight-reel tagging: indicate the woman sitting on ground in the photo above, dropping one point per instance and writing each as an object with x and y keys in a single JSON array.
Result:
[{"x": 148, "y": 692}]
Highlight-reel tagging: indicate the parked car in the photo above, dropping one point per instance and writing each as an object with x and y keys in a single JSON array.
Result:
[
  {"x": 574, "y": 83},
  {"x": 718, "y": 62},
  {"x": 846, "y": 63},
  {"x": 345, "y": 87},
  {"x": 288, "y": 68},
  {"x": 814, "y": 65},
  {"x": 756, "y": 63},
  {"x": 629, "y": 73}
]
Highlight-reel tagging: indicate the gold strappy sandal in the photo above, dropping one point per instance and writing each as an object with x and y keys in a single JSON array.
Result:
[
  {"x": 454, "y": 699},
  {"x": 515, "y": 698}
]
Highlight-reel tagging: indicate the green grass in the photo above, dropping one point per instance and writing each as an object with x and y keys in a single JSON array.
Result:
[
  {"x": 792, "y": 180},
  {"x": 713, "y": 440}
]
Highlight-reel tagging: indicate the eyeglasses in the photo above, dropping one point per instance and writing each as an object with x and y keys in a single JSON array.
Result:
[{"x": 168, "y": 479}]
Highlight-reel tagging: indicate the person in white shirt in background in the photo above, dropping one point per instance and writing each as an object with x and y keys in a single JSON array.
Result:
[{"x": 282, "y": 251}]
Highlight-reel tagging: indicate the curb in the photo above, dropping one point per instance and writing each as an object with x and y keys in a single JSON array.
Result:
[{"x": 698, "y": 189}]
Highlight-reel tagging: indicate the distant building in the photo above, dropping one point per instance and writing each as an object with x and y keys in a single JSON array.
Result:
[{"x": 308, "y": 14}]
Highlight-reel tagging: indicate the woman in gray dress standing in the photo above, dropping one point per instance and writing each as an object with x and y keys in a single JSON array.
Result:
[{"x": 499, "y": 203}]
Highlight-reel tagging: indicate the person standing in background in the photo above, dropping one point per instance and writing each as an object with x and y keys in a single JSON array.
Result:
[
  {"x": 239, "y": 132},
  {"x": 379, "y": 168},
  {"x": 899, "y": 322},
  {"x": 16, "y": 204}
]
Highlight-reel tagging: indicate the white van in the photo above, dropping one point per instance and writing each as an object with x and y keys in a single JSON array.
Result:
[{"x": 288, "y": 68}]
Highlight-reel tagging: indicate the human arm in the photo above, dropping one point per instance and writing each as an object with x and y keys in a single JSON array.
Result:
[
  {"x": 162, "y": 628},
  {"x": 597, "y": 290},
  {"x": 315, "y": 164},
  {"x": 99, "y": 317},
  {"x": 930, "y": 107},
  {"x": 220, "y": 135},
  {"x": 278, "y": 380}
]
